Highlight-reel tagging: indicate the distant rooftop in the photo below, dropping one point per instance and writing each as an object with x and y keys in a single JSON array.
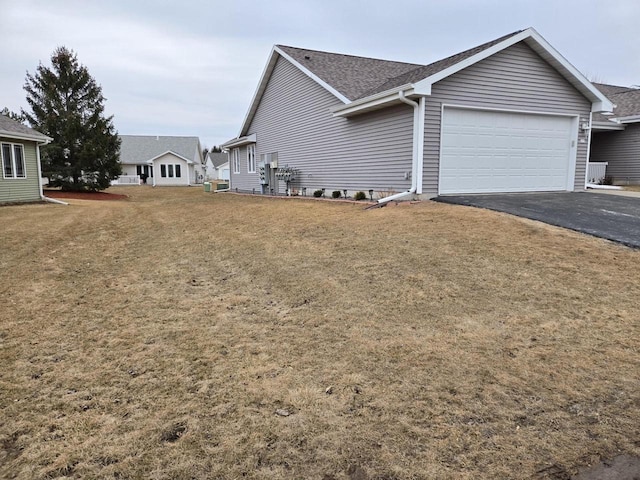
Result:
[{"x": 136, "y": 149}]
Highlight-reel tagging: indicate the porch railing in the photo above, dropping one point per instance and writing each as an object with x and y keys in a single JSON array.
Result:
[
  {"x": 127, "y": 180},
  {"x": 597, "y": 171}
]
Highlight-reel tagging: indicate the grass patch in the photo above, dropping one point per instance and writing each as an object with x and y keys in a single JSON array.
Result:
[{"x": 181, "y": 334}]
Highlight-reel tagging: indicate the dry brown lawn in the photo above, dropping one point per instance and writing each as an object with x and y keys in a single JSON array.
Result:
[{"x": 180, "y": 335}]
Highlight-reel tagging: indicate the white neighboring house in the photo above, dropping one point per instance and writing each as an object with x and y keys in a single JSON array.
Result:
[
  {"x": 217, "y": 166},
  {"x": 161, "y": 160}
]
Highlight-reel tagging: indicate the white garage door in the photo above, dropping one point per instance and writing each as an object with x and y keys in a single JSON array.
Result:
[{"x": 487, "y": 151}]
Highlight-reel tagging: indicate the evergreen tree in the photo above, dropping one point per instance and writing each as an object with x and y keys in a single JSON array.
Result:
[
  {"x": 67, "y": 105},
  {"x": 12, "y": 115}
]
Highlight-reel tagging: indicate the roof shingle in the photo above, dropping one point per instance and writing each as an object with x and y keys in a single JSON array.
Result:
[
  {"x": 359, "y": 77},
  {"x": 136, "y": 149},
  {"x": 12, "y": 127},
  {"x": 626, "y": 99}
]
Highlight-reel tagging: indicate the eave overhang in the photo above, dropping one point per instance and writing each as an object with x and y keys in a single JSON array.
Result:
[
  {"x": 606, "y": 126},
  {"x": 41, "y": 139},
  {"x": 240, "y": 141}
]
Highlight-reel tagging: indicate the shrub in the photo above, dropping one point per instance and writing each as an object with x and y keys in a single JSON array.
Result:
[
  {"x": 336, "y": 194},
  {"x": 360, "y": 196},
  {"x": 317, "y": 193},
  {"x": 606, "y": 181}
]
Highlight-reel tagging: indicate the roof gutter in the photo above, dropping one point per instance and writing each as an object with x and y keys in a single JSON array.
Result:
[
  {"x": 628, "y": 119},
  {"x": 418, "y": 149}
]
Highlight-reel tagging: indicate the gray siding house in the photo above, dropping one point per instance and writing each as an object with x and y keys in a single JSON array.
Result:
[
  {"x": 616, "y": 138},
  {"x": 20, "y": 155},
  {"x": 511, "y": 115}
]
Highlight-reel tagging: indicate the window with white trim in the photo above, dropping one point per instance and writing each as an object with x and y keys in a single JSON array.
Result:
[
  {"x": 236, "y": 160},
  {"x": 251, "y": 158},
  {"x": 13, "y": 160},
  {"x": 167, "y": 170}
]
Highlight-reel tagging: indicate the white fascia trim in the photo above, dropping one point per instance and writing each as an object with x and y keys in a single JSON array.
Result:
[
  {"x": 365, "y": 104},
  {"x": 151, "y": 160},
  {"x": 313, "y": 77},
  {"x": 264, "y": 78},
  {"x": 629, "y": 119},
  {"x": 238, "y": 142},
  {"x": 41, "y": 139},
  {"x": 595, "y": 125},
  {"x": 266, "y": 73},
  {"x": 599, "y": 101}
]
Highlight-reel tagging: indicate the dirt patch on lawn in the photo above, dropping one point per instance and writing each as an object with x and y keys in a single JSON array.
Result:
[{"x": 84, "y": 195}]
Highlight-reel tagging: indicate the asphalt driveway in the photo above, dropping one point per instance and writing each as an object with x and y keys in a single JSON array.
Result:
[{"x": 613, "y": 217}]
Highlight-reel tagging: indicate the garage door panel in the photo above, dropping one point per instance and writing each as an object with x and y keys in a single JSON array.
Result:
[{"x": 487, "y": 151}]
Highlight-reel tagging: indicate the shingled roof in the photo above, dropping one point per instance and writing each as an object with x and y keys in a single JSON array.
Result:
[
  {"x": 363, "y": 84},
  {"x": 626, "y": 99},
  {"x": 352, "y": 76},
  {"x": 12, "y": 128},
  {"x": 137, "y": 149},
  {"x": 360, "y": 77},
  {"x": 218, "y": 158}
]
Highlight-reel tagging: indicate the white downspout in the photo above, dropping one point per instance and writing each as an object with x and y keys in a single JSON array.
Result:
[
  {"x": 46, "y": 199},
  {"x": 586, "y": 168},
  {"x": 416, "y": 163}
]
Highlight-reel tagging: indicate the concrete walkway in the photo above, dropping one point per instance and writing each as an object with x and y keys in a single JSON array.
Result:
[{"x": 622, "y": 193}]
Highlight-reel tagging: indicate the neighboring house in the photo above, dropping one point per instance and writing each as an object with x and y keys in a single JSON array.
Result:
[
  {"x": 20, "y": 155},
  {"x": 162, "y": 160},
  {"x": 217, "y": 166},
  {"x": 511, "y": 115},
  {"x": 615, "y": 138},
  {"x": 223, "y": 171}
]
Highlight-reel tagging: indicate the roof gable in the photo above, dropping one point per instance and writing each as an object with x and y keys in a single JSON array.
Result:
[
  {"x": 425, "y": 71},
  {"x": 138, "y": 149},
  {"x": 217, "y": 158},
  {"x": 169, "y": 152},
  {"x": 362, "y": 84}
]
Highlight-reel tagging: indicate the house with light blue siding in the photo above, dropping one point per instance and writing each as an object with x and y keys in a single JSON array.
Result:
[
  {"x": 510, "y": 115},
  {"x": 20, "y": 156}
]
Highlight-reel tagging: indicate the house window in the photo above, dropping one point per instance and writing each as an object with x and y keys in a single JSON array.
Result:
[
  {"x": 163, "y": 171},
  {"x": 177, "y": 171},
  {"x": 13, "y": 161},
  {"x": 251, "y": 159},
  {"x": 170, "y": 169},
  {"x": 236, "y": 160}
]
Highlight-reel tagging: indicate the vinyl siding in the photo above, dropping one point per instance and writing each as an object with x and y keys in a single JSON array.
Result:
[
  {"x": 514, "y": 79},
  {"x": 22, "y": 189},
  {"x": 170, "y": 159},
  {"x": 370, "y": 151},
  {"x": 622, "y": 150}
]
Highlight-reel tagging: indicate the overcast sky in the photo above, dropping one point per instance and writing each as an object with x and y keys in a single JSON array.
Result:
[{"x": 190, "y": 67}]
